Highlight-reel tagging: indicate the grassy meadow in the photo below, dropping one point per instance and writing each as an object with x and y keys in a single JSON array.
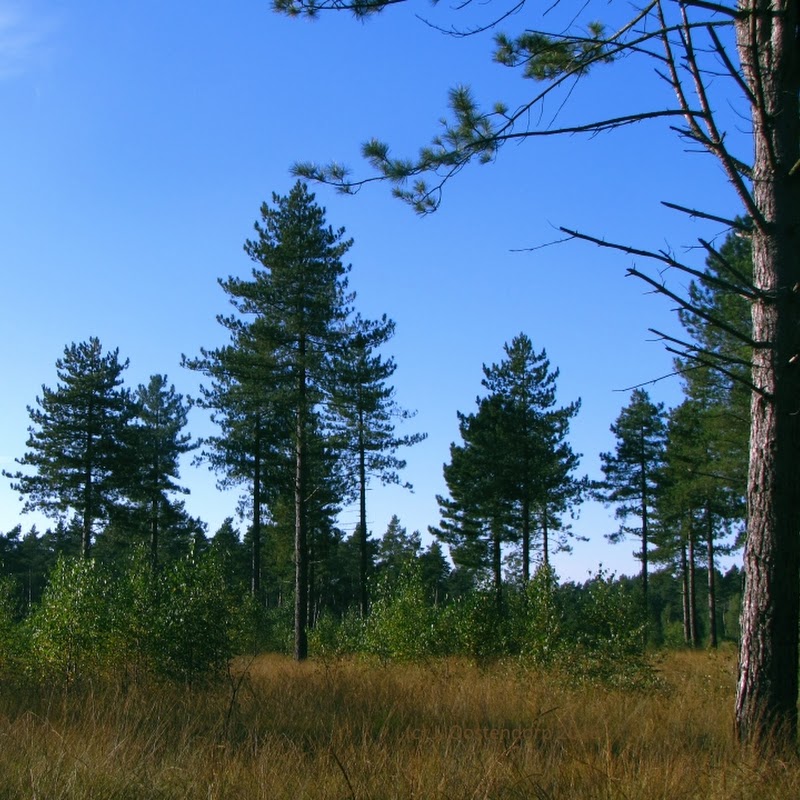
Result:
[{"x": 355, "y": 729}]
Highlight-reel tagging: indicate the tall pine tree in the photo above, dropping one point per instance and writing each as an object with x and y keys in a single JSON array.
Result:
[
  {"x": 297, "y": 299},
  {"x": 633, "y": 471},
  {"x": 78, "y": 443},
  {"x": 366, "y": 409}
]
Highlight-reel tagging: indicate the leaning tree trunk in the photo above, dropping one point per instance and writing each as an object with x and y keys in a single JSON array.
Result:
[{"x": 766, "y": 697}]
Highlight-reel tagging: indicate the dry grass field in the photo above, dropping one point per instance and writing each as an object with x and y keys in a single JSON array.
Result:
[{"x": 349, "y": 729}]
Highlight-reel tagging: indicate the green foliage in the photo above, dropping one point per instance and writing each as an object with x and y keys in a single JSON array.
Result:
[
  {"x": 513, "y": 474},
  {"x": 333, "y": 636},
  {"x": 195, "y": 620},
  {"x": 474, "y": 626},
  {"x": 401, "y": 624},
  {"x": 69, "y": 631},
  {"x": 177, "y": 623},
  {"x": 12, "y": 643},
  {"x": 544, "y": 57},
  {"x": 607, "y": 634},
  {"x": 539, "y": 617},
  {"x": 78, "y": 445}
]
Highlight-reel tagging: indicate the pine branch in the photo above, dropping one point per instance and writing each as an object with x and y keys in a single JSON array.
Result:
[{"x": 688, "y": 346}]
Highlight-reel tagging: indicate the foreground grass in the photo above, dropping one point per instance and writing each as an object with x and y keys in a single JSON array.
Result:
[{"x": 353, "y": 730}]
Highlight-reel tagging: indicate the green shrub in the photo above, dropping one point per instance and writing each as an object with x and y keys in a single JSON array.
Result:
[
  {"x": 13, "y": 644},
  {"x": 474, "y": 626},
  {"x": 335, "y": 636},
  {"x": 539, "y": 616},
  {"x": 69, "y": 631},
  {"x": 401, "y": 623},
  {"x": 194, "y": 632}
]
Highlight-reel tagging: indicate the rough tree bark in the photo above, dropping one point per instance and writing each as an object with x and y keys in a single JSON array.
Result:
[{"x": 766, "y": 697}]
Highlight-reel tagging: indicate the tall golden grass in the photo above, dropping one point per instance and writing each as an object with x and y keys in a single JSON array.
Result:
[{"x": 350, "y": 729}]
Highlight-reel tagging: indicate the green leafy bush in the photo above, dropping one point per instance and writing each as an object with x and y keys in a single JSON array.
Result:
[
  {"x": 401, "y": 623},
  {"x": 176, "y": 623},
  {"x": 194, "y": 633},
  {"x": 475, "y": 626},
  {"x": 334, "y": 636},
  {"x": 69, "y": 631}
]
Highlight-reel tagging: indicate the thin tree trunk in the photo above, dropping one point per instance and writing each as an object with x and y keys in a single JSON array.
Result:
[
  {"x": 687, "y": 632},
  {"x": 311, "y": 592},
  {"x": 255, "y": 566},
  {"x": 300, "y": 537},
  {"x": 154, "y": 534},
  {"x": 694, "y": 637},
  {"x": 766, "y": 697},
  {"x": 86, "y": 532},
  {"x": 545, "y": 540},
  {"x": 497, "y": 562},
  {"x": 643, "y": 491},
  {"x": 362, "y": 524},
  {"x": 712, "y": 583},
  {"x": 526, "y": 540}
]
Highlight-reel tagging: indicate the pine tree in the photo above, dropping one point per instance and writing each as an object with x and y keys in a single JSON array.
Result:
[
  {"x": 539, "y": 463},
  {"x": 696, "y": 508},
  {"x": 633, "y": 471},
  {"x": 712, "y": 55},
  {"x": 297, "y": 298},
  {"x": 396, "y": 549},
  {"x": 366, "y": 409},
  {"x": 477, "y": 517},
  {"x": 78, "y": 440},
  {"x": 253, "y": 446},
  {"x": 161, "y": 416},
  {"x": 515, "y": 464}
]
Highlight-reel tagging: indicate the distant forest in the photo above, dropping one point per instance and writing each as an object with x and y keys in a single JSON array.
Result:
[{"x": 305, "y": 418}]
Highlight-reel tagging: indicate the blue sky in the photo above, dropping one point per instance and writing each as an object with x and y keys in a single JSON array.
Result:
[{"x": 138, "y": 141}]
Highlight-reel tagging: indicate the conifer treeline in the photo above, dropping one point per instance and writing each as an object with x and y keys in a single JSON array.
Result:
[{"x": 306, "y": 415}]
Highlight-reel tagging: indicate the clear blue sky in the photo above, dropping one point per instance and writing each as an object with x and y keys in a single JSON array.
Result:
[{"x": 138, "y": 139}]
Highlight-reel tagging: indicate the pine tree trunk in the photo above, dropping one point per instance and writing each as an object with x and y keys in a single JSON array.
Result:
[
  {"x": 154, "y": 534},
  {"x": 694, "y": 638},
  {"x": 712, "y": 583},
  {"x": 86, "y": 532},
  {"x": 766, "y": 698},
  {"x": 687, "y": 632},
  {"x": 362, "y": 524},
  {"x": 643, "y": 491},
  {"x": 255, "y": 566},
  {"x": 545, "y": 540},
  {"x": 300, "y": 533},
  {"x": 497, "y": 562},
  {"x": 526, "y": 540}
]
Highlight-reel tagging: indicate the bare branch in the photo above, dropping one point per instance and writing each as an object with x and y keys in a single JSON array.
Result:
[
  {"x": 732, "y": 375},
  {"x": 729, "y": 65},
  {"x": 693, "y": 348},
  {"x": 728, "y": 267},
  {"x": 652, "y": 381},
  {"x": 733, "y": 13},
  {"x": 715, "y": 141},
  {"x": 693, "y": 212},
  {"x": 710, "y": 318},
  {"x": 665, "y": 258},
  {"x": 463, "y": 34}
]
